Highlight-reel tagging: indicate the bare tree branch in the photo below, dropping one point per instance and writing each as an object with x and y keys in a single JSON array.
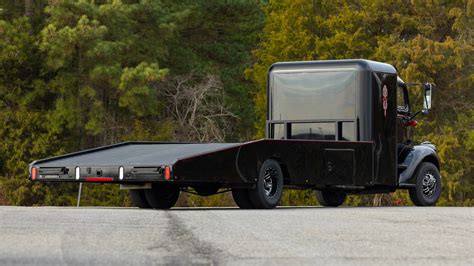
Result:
[{"x": 197, "y": 106}]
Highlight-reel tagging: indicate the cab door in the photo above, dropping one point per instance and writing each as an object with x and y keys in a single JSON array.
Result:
[{"x": 384, "y": 112}]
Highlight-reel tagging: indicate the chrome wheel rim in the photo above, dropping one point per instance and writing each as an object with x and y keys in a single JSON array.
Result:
[
  {"x": 270, "y": 181},
  {"x": 429, "y": 185}
]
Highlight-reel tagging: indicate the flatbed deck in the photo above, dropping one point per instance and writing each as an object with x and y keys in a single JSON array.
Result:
[
  {"x": 133, "y": 153},
  {"x": 126, "y": 162}
]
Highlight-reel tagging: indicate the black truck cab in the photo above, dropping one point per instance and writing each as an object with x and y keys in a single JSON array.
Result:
[{"x": 351, "y": 100}]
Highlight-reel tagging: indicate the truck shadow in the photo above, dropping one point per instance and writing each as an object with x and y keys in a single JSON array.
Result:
[{"x": 238, "y": 209}]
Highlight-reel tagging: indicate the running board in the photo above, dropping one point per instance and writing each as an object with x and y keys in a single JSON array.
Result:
[{"x": 407, "y": 185}]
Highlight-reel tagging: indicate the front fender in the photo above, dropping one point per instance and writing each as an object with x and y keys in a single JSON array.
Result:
[{"x": 420, "y": 153}]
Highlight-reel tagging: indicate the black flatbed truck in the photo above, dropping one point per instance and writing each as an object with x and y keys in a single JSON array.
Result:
[{"x": 339, "y": 127}]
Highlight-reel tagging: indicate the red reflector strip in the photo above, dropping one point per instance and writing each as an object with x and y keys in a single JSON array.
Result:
[
  {"x": 33, "y": 173},
  {"x": 167, "y": 173},
  {"x": 99, "y": 179}
]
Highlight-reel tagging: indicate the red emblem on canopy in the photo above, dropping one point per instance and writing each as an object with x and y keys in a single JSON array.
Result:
[{"x": 385, "y": 99}]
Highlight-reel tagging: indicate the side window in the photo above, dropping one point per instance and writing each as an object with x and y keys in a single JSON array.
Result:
[
  {"x": 319, "y": 131},
  {"x": 402, "y": 105}
]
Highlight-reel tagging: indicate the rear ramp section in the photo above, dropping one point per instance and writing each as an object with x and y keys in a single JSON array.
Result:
[{"x": 140, "y": 161}]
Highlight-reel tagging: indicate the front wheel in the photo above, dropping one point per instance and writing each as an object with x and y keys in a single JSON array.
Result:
[
  {"x": 162, "y": 196},
  {"x": 330, "y": 198},
  {"x": 428, "y": 185},
  {"x": 269, "y": 187}
]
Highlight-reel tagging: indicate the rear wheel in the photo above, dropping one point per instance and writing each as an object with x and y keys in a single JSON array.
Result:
[
  {"x": 162, "y": 196},
  {"x": 330, "y": 198},
  {"x": 269, "y": 187},
  {"x": 242, "y": 198},
  {"x": 139, "y": 199},
  {"x": 428, "y": 185}
]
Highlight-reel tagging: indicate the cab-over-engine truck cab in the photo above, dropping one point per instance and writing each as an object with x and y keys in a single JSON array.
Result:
[
  {"x": 332, "y": 126},
  {"x": 354, "y": 101}
]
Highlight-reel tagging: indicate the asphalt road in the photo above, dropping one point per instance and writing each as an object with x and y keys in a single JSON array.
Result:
[{"x": 360, "y": 236}]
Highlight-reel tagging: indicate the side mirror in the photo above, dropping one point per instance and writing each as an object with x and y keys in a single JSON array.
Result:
[{"x": 428, "y": 93}]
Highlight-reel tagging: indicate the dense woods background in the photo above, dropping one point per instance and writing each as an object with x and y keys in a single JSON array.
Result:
[{"x": 81, "y": 74}]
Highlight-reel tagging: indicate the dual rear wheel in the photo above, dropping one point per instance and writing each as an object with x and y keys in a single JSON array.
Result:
[
  {"x": 139, "y": 199},
  {"x": 330, "y": 198},
  {"x": 160, "y": 196}
]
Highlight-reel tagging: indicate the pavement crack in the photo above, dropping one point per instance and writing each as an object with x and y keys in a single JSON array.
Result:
[{"x": 189, "y": 247}]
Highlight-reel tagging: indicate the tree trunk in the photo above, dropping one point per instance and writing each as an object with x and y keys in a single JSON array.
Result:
[{"x": 29, "y": 8}]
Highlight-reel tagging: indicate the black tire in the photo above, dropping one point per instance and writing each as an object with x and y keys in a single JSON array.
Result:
[
  {"x": 139, "y": 199},
  {"x": 242, "y": 198},
  {"x": 330, "y": 198},
  {"x": 269, "y": 187},
  {"x": 162, "y": 196},
  {"x": 428, "y": 185}
]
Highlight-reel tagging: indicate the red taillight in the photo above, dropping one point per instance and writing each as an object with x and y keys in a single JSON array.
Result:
[
  {"x": 167, "y": 173},
  {"x": 411, "y": 123},
  {"x": 33, "y": 173}
]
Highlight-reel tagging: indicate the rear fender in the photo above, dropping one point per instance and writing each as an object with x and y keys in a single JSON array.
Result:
[{"x": 425, "y": 152}]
